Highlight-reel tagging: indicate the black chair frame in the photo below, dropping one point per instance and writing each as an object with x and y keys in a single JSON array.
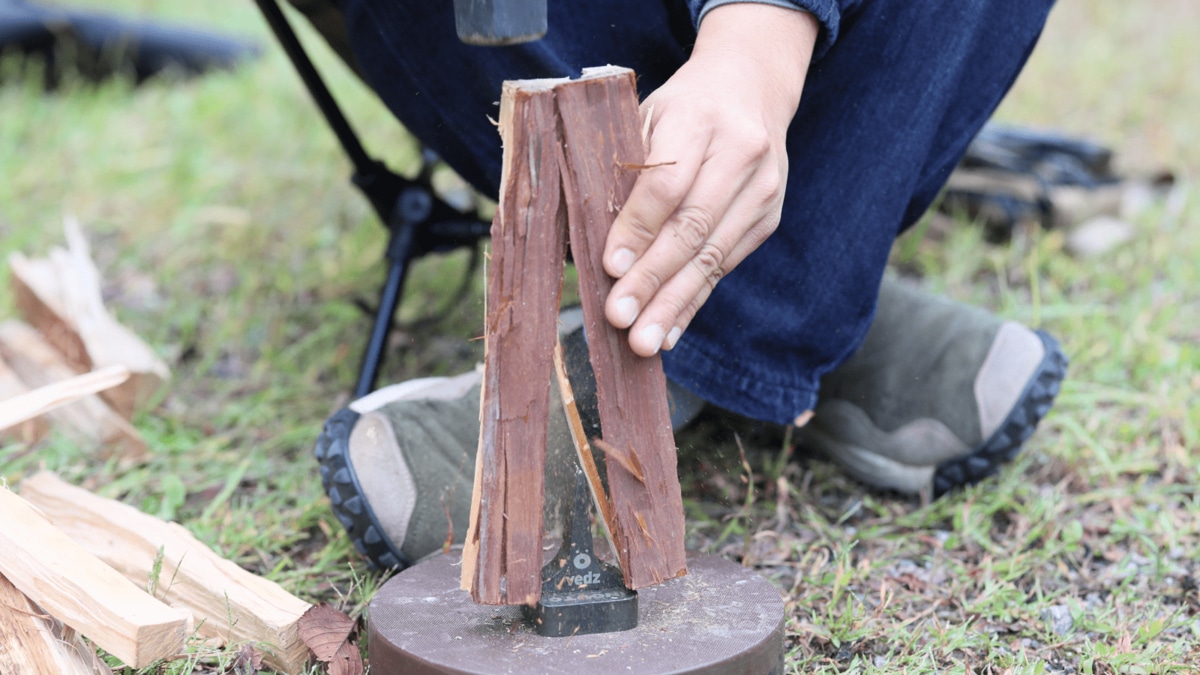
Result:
[{"x": 418, "y": 221}]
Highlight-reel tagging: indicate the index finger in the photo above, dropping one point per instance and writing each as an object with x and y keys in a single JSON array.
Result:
[{"x": 675, "y": 155}]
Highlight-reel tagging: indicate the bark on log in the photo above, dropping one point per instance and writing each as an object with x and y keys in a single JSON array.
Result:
[
  {"x": 503, "y": 550},
  {"x": 84, "y": 593},
  {"x": 228, "y": 603},
  {"x": 602, "y": 136}
]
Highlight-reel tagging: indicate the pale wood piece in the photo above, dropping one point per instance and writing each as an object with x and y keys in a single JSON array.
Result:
[
  {"x": 30, "y": 431},
  {"x": 32, "y": 641},
  {"x": 89, "y": 419},
  {"x": 60, "y": 295},
  {"x": 601, "y": 151},
  {"x": 228, "y": 602},
  {"x": 84, "y": 593},
  {"x": 42, "y": 400},
  {"x": 504, "y": 540},
  {"x": 583, "y": 449}
]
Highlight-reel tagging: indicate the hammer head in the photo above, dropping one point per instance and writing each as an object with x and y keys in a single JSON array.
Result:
[{"x": 499, "y": 22}]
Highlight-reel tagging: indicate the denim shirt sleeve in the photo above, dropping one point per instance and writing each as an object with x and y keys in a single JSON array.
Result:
[{"x": 827, "y": 13}]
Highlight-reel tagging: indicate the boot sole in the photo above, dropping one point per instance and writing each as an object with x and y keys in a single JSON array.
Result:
[
  {"x": 346, "y": 498},
  {"x": 1003, "y": 445}
]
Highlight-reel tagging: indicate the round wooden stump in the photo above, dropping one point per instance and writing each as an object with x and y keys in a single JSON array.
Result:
[{"x": 720, "y": 618}]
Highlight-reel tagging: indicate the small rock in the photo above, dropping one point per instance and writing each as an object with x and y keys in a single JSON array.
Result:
[
  {"x": 1098, "y": 236},
  {"x": 1058, "y": 617}
]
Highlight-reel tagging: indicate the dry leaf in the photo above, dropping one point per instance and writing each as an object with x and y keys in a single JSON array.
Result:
[
  {"x": 324, "y": 629},
  {"x": 248, "y": 661},
  {"x": 347, "y": 660}
]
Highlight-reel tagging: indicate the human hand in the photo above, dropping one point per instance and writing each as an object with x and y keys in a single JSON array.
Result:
[{"x": 717, "y": 131}]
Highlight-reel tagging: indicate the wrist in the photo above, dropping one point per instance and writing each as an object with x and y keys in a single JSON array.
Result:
[{"x": 777, "y": 42}]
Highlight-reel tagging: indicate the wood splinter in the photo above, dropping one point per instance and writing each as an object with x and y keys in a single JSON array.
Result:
[{"x": 626, "y": 459}]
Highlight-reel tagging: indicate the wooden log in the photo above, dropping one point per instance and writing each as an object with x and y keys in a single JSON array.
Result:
[
  {"x": 227, "y": 602},
  {"x": 601, "y": 131},
  {"x": 89, "y": 420},
  {"x": 32, "y": 641},
  {"x": 11, "y": 386},
  {"x": 84, "y": 593},
  {"x": 504, "y": 541},
  {"x": 42, "y": 400},
  {"x": 60, "y": 296}
]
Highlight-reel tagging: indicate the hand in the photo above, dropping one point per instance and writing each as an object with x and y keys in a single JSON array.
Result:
[{"x": 716, "y": 143}]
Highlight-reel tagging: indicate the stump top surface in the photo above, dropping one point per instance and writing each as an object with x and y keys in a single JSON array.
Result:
[{"x": 720, "y": 618}]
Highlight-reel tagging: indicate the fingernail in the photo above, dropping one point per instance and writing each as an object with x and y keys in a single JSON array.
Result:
[
  {"x": 652, "y": 335},
  {"x": 627, "y": 311},
  {"x": 621, "y": 261},
  {"x": 673, "y": 337}
]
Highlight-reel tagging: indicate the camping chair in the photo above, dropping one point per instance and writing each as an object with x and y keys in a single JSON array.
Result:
[{"x": 418, "y": 220}]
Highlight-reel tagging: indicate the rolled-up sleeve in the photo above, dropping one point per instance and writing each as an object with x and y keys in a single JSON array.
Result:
[{"x": 827, "y": 13}]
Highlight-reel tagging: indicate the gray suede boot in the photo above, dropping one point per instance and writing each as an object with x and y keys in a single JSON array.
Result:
[
  {"x": 939, "y": 395},
  {"x": 398, "y": 467}
]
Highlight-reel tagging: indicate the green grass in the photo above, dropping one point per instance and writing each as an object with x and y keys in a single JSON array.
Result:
[{"x": 219, "y": 213}]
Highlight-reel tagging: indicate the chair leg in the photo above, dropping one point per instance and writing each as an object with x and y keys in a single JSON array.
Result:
[{"x": 400, "y": 254}]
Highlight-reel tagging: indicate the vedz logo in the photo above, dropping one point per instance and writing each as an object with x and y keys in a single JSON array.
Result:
[{"x": 584, "y": 579}]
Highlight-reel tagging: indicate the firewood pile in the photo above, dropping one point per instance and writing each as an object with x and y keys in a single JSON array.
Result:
[{"x": 75, "y": 565}]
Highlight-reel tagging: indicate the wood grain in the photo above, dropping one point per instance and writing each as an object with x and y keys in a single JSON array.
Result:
[
  {"x": 83, "y": 592},
  {"x": 600, "y": 124},
  {"x": 32, "y": 641},
  {"x": 228, "y": 602},
  {"x": 504, "y": 540}
]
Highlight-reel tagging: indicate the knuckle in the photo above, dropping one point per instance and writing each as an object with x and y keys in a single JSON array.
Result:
[
  {"x": 651, "y": 280},
  {"x": 691, "y": 226},
  {"x": 665, "y": 186},
  {"x": 770, "y": 186},
  {"x": 754, "y": 141},
  {"x": 639, "y": 228},
  {"x": 710, "y": 262},
  {"x": 759, "y": 144}
]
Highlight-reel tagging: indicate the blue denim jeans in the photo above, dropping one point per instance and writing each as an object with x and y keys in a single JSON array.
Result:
[{"x": 888, "y": 110}]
